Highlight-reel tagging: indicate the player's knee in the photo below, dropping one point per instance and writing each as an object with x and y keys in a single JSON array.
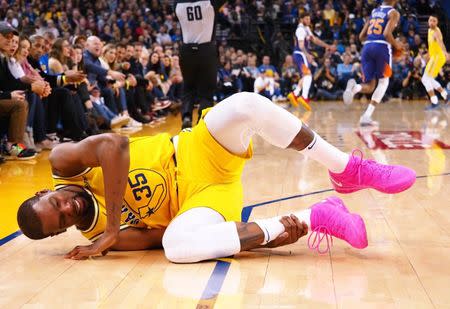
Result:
[
  {"x": 383, "y": 83},
  {"x": 379, "y": 92},
  {"x": 177, "y": 248},
  {"x": 246, "y": 104},
  {"x": 372, "y": 85},
  {"x": 424, "y": 79}
]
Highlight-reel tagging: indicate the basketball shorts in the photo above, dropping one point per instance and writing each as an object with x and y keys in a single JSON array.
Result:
[
  {"x": 208, "y": 175},
  {"x": 302, "y": 62},
  {"x": 376, "y": 59},
  {"x": 435, "y": 65}
]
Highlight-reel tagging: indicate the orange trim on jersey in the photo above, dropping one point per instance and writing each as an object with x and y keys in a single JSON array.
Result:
[
  {"x": 305, "y": 69},
  {"x": 387, "y": 70}
]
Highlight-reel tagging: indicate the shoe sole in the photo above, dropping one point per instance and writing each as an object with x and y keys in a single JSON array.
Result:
[
  {"x": 293, "y": 101},
  {"x": 344, "y": 190},
  {"x": 120, "y": 123},
  {"x": 347, "y": 97},
  {"x": 161, "y": 107},
  {"x": 12, "y": 158},
  {"x": 305, "y": 104}
]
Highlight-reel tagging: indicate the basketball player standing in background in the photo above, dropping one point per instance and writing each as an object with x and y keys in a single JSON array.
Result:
[
  {"x": 376, "y": 58},
  {"x": 198, "y": 55},
  {"x": 438, "y": 56}
]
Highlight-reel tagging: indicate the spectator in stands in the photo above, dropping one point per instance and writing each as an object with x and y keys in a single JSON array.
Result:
[
  {"x": 412, "y": 88},
  {"x": 266, "y": 65},
  {"x": 250, "y": 73},
  {"x": 266, "y": 85},
  {"x": 345, "y": 71},
  {"x": 290, "y": 75},
  {"x": 325, "y": 81},
  {"x": 35, "y": 137},
  {"x": 60, "y": 105},
  {"x": 410, "y": 23},
  {"x": 227, "y": 84},
  {"x": 98, "y": 75}
]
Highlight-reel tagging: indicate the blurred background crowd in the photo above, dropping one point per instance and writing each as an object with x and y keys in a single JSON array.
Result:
[{"x": 87, "y": 66}]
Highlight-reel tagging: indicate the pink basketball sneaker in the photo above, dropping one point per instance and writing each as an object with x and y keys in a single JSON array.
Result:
[
  {"x": 361, "y": 174},
  {"x": 331, "y": 217},
  {"x": 337, "y": 202}
]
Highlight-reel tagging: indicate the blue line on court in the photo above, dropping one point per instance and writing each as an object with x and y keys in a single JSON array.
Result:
[
  {"x": 246, "y": 211},
  {"x": 216, "y": 280},
  {"x": 9, "y": 237}
]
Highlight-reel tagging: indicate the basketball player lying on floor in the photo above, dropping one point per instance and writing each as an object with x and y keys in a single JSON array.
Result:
[{"x": 185, "y": 193}]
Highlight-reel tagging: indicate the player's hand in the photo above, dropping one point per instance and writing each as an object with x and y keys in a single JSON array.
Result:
[
  {"x": 293, "y": 230},
  {"x": 100, "y": 246}
]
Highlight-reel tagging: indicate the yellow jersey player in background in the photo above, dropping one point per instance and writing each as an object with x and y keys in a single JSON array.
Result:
[{"x": 438, "y": 57}]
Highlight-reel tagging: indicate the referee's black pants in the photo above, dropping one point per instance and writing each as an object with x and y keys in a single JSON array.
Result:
[{"x": 198, "y": 63}]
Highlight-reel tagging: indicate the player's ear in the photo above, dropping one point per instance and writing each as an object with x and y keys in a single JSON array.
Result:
[{"x": 42, "y": 192}]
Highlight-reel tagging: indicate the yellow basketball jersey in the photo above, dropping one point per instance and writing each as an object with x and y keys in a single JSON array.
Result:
[
  {"x": 151, "y": 194},
  {"x": 433, "y": 47}
]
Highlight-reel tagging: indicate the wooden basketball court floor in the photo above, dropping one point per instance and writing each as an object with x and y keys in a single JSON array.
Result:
[{"x": 407, "y": 263}]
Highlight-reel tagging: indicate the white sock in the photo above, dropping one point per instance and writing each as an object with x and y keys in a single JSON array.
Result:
[
  {"x": 357, "y": 88},
  {"x": 369, "y": 111},
  {"x": 272, "y": 227},
  {"x": 307, "y": 80},
  {"x": 297, "y": 91},
  {"x": 444, "y": 94},
  {"x": 434, "y": 99},
  {"x": 328, "y": 155}
]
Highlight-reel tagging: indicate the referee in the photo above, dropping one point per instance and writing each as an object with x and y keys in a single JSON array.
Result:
[{"x": 198, "y": 55}]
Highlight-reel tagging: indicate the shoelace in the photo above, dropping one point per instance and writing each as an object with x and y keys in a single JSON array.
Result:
[
  {"x": 385, "y": 170},
  {"x": 317, "y": 239}
]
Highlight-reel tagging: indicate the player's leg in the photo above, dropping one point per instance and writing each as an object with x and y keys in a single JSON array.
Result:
[
  {"x": 301, "y": 93},
  {"x": 432, "y": 69},
  {"x": 201, "y": 233},
  {"x": 207, "y": 77},
  {"x": 368, "y": 65},
  {"x": 236, "y": 119},
  {"x": 189, "y": 84},
  {"x": 383, "y": 71}
]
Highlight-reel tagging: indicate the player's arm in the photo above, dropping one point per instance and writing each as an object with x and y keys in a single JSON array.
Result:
[
  {"x": 138, "y": 239},
  {"x": 318, "y": 73},
  {"x": 363, "y": 33},
  {"x": 438, "y": 38},
  {"x": 394, "y": 17},
  {"x": 319, "y": 42},
  {"x": 111, "y": 153}
]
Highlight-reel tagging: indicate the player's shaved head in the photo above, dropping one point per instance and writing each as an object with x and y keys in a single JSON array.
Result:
[{"x": 28, "y": 220}]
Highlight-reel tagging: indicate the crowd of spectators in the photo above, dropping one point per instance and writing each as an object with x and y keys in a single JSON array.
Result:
[{"x": 90, "y": 65}]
